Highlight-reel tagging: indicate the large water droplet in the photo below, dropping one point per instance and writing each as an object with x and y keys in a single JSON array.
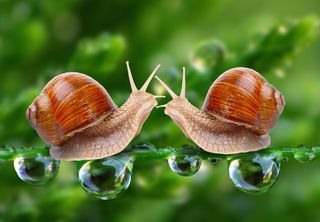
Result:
[
  {"x": 208, "y": 55},
  {"x": 254, "y": 174},
  {"x": 184, "y": 165},
  {"x": 37, "y": 170},
  {"x": 106, "y": 178}
]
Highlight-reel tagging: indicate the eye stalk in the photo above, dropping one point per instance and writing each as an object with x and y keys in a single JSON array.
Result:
[
  {"x": 183, "y": 85},
  {"x": 146, "y": 84},
  {"x": 170, "y": 91}
]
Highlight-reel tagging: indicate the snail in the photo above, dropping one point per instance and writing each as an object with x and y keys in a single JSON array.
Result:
[
  {"x": 76, "y": 116},
  {"x": 240, "y": 108}
]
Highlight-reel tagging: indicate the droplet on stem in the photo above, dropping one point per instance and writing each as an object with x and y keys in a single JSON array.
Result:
[
  {"x": 254, "y": 174},
  {"x": 38, "y": 170},
  {"x": 214, "y": 160},
  {"x": 107, "y": 178},
  {"x": 304, "y": 156},
  {"x": 143, "y": 147},
  {"x": 184, "y": 165}
]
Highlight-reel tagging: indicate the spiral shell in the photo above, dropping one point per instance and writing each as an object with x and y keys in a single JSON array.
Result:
[
  {"x": 242, "y": 96},
  {"x": 68, "y": 104}
]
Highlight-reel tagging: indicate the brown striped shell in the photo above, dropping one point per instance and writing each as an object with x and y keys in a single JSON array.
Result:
[
  {"x": 243, "y": 96},
  {"x": 68, "y": 104}
]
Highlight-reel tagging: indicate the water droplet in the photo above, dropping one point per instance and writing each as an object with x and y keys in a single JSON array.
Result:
[
  {"x": 143, "y": 147},
  {"x": 254, "y": 174},
  {"x": 208, "y": 55},
  {"x": 37, "y": 170},
  {"x": 214, "y": 160},
  {"x": 107, "y": 178},
  {"x": 184, "y": 165},
  {"x": 304, "y": 156}
]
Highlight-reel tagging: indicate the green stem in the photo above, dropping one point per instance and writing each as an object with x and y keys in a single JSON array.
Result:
[
  {"x": 150, "y": 152},
  {"x": 8, "y": 153}
]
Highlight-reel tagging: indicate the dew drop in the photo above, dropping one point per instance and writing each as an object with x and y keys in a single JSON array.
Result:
[
  {"x": 107, "y": 178},
  {"x": 304, "y": 156},
  {"x": 38, "y": 170},
  {"x": 254, "y": 174},
  {"x": 184, "y": 165},
  {"x": 208, "y": 55},
  {"x": 143, "y": 147},
  {"x": 214, "y": 160}
]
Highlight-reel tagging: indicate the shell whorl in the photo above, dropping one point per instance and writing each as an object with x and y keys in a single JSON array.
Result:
[
  {"x": 244, "y": 97},
  {"x": 69, "y": 103}
]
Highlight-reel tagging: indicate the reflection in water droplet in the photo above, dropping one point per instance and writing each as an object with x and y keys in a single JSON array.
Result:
[
  {"x": 106, "y": 178},
  {"x": 184, "y": 165},
  {"x": 37, "y": 170},
  {"x": 304, "y": 156},
  {"x": 208, "y": 55},
  {"x": 254, "y": 174}
]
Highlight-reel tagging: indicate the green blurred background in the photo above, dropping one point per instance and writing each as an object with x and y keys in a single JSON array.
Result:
[{"x": 40, "y": 39}]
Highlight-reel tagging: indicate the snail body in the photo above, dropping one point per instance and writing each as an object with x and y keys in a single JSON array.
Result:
[
  {"x": 240, "y": 109},
  {"x": 76, "y": 116}
]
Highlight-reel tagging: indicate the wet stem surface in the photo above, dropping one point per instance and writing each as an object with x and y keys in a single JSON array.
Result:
[{"x": 110, "y": 177}]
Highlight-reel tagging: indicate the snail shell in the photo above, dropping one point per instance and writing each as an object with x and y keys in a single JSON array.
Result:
[
  {"x": 68, "y": 104},
  {"x": 242, "y": 96}
]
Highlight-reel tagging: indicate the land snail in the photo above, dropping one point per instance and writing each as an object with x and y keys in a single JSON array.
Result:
[
  {"x": 240, "y": 109},
  {"x": 76, "y": 116}
]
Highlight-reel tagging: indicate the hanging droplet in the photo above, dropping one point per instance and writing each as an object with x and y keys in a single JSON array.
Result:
[
  {"x": 184, "y": 165},
  {"x": 284, "y": 159},
  {"x": 304, "y": 156},
  {"x": 208, "y": 55},
  {"x": 37, "y": 170},
  {"x": 107, "y": 178},
  {"x": 214, "y": 160},
  {"x": 254, "y": 174}
]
